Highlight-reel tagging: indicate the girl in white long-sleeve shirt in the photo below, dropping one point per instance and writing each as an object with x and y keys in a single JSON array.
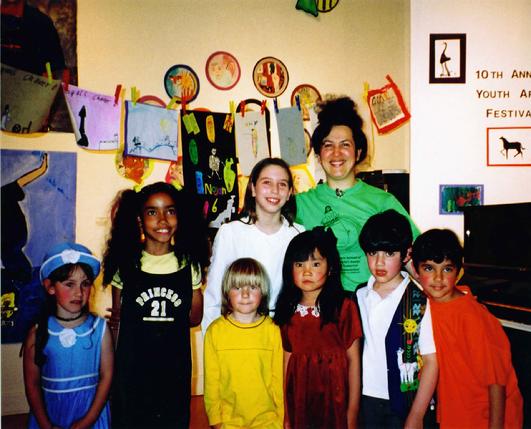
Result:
[{"x": 263, "y": 232}]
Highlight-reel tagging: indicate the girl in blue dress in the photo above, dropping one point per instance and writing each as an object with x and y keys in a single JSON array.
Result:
[{"x": 68, "y": 356}]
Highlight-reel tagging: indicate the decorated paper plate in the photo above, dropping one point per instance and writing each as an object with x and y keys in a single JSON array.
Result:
[
  {"x": 308, "y": 96},
  {"x": 182, "y": 82},
  {"x": 222, "y": 70},
  {"x": 270, "y": 76},
  {"x": 326, "y": 5}
]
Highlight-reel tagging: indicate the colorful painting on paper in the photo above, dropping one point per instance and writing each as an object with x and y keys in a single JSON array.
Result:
[
  {"x": 38, "y": 210},
  {"x": 387, "y": 107},
  {"x": 150, "y": 131},
  {"x": 251, "y": 139},
  {"x": 209, "y": 164},
  {"x": 453, "y": 198},
  {"x": 95, "y": 118},
  {"x": 26, "y": 100},
  {"x": 509, "y": 146},
  {"x": 291, "y": 136},
  {"x": 133, "y": 168}
]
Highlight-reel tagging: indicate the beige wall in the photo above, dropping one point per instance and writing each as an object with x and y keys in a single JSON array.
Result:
[
  {"x": 134, "y": 42},
  {"x": 449, "y": 122}
]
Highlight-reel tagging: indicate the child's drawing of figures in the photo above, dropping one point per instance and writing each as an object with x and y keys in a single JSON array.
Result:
[{"x": 151, "y": 131}]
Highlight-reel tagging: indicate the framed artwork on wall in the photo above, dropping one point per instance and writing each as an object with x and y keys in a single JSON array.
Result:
[
  {"x": 222, "y": 70},
  {"x": 509, "y": 146},
  {"x": 447, "y": 58},
  {"x": 453, "y": 198}
]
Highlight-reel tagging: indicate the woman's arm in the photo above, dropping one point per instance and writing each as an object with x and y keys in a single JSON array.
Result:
[
  {"x": 32, "y": 382},
  {"x": 354, "y": 383},
  {"x": 104, "y": 384},
  {"x": 428, "y": 381},
  {"x": 496, "y": 406},
  {"x": 196, "y": 312}
]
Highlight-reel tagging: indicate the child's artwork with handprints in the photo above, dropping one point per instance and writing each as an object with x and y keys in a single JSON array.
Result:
[
  {"x": 209, "y": 164},
  {"x": 150, "y": 131},
  {"x": 95, "y": 118}
]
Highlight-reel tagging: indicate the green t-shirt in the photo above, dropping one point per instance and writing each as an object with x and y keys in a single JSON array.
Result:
[{"x": 346, "y": 215}]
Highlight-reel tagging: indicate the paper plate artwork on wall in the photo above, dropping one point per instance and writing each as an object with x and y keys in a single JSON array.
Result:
[
  {"x": 308, "y": 97},
  {"x": 222, "y": 70},
  {"x": 181, "y": 81},
  {"x": 270, "y": 77}
]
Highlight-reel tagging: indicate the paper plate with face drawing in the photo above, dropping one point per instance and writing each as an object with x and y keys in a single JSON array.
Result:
[
  {"x": 270, "y": 77},
  {"x": 182, "y": 82},
  {"x": 222, "y": 70}
]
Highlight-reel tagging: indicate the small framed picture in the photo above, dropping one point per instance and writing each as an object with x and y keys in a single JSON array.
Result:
[
  {"x": 508, "y": 146},
  {"x": 453, "y": 198},
  {"x": 447, "y": 58}
]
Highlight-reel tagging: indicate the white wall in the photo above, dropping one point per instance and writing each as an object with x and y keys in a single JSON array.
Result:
[
  {"x": 134, "y": 42},
  {"x": 448, "y": 126}
]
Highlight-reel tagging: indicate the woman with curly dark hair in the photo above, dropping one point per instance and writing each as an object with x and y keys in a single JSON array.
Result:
[{"x": 344, "y": 202}]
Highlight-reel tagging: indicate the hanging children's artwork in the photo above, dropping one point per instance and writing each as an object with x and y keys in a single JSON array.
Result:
[
  {"x": 133, "y": 168},
  {"x": 291, "y": 136},
  {"x": 222, "y": 70},
  {"x": 38, "y": 208},
  {"x": 174, "y": 175},
  {"x": 26, "y": 100},
  {"x": 270, "y": 77},
  {"x": 302, "y": 178},
  {"x": 387, "y": 107},
  {"x": 181, "y": 81},
  {"x": 209, "y": 163},
  {"x": 95, "y": 118},
  {"x": 308, "y": 96},
  {"x": 251, "y": 139},
  {"x": 150, "y": 131}
]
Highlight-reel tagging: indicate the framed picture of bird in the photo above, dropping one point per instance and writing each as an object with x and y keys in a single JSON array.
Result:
[{"x": 447, "y": 58}]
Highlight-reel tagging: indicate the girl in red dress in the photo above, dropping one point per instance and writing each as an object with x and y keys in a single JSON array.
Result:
[{"x": 320, "y": 334}]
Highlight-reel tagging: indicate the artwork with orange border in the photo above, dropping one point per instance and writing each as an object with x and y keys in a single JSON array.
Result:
[{"x": 387, "y": 107}]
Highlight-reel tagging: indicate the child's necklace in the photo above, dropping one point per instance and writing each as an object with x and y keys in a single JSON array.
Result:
[{"x": 71, "y": 319}]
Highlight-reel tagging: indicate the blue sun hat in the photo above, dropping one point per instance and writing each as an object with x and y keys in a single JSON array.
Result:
[{"x": 68, "y": 253}]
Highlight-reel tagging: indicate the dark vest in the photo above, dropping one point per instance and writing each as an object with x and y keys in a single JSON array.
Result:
[{"x": 402, "y": 350}]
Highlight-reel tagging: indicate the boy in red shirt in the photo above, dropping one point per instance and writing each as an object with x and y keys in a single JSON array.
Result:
[{"x": 477, "y": 384}]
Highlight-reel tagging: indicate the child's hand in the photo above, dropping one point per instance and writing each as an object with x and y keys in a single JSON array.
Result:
[
  {"x": 80, "y": 425},
  {"x": 113, "y": 318}
]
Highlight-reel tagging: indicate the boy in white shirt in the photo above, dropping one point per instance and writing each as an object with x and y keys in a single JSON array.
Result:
[{"x": 398, "y": 337}]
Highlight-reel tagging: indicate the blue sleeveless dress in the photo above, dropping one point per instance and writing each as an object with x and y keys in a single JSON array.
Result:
[{"x": 70, "y": 376}]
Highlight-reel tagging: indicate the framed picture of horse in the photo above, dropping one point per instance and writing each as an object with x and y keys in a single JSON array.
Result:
[
  {"x": 509, "y": 146},
  {"x": 447, "y": 58}
]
